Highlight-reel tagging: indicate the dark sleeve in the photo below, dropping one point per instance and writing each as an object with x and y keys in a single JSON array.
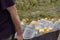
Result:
[{"x": 6, "y": 3}]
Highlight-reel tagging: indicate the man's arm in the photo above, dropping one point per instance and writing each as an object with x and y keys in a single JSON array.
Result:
[{"x": 16, "y": 20}]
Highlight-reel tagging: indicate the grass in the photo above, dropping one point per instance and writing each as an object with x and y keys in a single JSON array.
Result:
[{"x": 34, "y": 9}]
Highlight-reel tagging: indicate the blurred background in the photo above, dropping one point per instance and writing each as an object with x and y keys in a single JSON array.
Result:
[{"x": 35, "y": 9}]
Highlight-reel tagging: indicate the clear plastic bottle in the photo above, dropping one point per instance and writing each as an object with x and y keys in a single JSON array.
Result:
[
  {"x": 38, "y": 27},
  {"x": 29, "y": 32},
  {"x": 43, "y": 21},
  {"x": 50, "y": 26},
  {"x": 57, "y": 25}
]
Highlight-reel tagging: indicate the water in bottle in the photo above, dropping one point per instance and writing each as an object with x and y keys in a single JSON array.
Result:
[{"x": 29, "y": 32}]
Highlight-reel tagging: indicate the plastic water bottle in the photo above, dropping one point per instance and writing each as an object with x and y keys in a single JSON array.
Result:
[
  {"x": 29, "y": 32},
  {"x": 49, "y": 24},
  {"x": 39, "y": 26},
  {"x": 43, "y": 21},
  {"x": 57, "y": 25}
]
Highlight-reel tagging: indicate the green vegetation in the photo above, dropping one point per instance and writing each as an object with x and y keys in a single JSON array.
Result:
[{"x": 34, "y": 9}]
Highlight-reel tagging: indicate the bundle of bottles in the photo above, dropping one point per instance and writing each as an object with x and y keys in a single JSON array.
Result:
[{"x": 39, "y": 28}]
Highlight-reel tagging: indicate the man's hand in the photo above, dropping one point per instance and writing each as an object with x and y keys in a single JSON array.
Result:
[
  {"x": 16, "y": 21},
  {"x": 19, "y": 37}
]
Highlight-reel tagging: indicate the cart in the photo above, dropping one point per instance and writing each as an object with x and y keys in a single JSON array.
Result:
[{"x": 49, "y": 36}]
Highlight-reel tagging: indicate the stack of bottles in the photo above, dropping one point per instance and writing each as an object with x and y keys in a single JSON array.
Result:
[{"x": 40, "y": 27}]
